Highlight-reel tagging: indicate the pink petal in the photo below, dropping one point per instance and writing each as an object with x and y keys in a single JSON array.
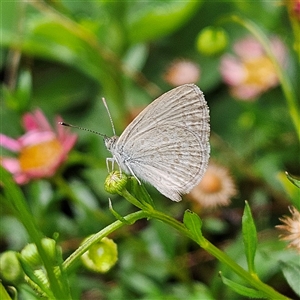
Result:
[
  {"x": 69, "y": 143},
  {"x": 67, "y": 139},
  {"x": 11, "y": 164},
  {"x": 41, "y": 173},
  {"x": 248, "y": 47},
  {"x": 246, "y": 92},
  {"x": 36, "y": 137},
  {"x": 232, "y": 70},
  {"x": 61, "y": 130},
  {"x": 42, "y": 121},
  {"x": 9, "y": 143},
  {"x": 29, "y": 122},
  {"x": 36, "y": 121},
  {"x": 279, "y": 50},
  {"x": 21, "y": 178}
]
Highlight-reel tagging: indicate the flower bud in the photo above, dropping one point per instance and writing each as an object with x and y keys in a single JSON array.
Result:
[
  {"x": 40, "y": 274},
  {"x": 211, "y": 40},
  {"x": 115, "y": 182},
  {"x": 31, "y": 256},
  {"x": 101, "y": 256},
  {"x": 10, "y": 268}
]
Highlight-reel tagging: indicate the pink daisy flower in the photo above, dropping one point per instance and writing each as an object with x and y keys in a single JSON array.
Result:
[
  {"x": 250, "y": 72},
  {"x": 40, "y": 151}
]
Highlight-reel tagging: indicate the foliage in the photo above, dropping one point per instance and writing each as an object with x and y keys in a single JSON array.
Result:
[{"x": 63, "y": 57}]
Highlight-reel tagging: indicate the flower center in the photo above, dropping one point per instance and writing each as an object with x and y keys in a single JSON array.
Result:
[
  {"x": 260, "y": 71},
  {"x": 40, "y": 156},
  {"x": 211, "y": 183}
]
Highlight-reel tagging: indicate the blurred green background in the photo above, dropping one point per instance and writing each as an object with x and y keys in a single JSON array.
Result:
[{"x": 64, "y": 56}]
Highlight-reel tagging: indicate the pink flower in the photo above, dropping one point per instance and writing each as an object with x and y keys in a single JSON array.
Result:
[
  {"x": 181, "y": 72},
  {"x": 250, "y": 72},
  {"x": 41, "y": 150}
]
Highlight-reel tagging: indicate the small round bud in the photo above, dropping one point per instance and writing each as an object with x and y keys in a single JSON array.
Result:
[
  {"x": 10, "y": 268},
  {"x": 212, "y": 40},
  {"x": 101, "y": 256},
  {"x": 31, "y": 256},
  {"x": 115, "y": 182}
]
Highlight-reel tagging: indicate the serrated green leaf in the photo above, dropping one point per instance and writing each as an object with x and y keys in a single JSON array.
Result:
[
  {"x": 193, "y": 223},
  {"x": 243, "y": 290},
  {"x": 291, "y": 272},
  {"x": 249, "y": 237}
]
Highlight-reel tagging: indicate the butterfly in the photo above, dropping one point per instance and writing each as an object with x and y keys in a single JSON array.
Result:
[{"x": 167, "y": 144}]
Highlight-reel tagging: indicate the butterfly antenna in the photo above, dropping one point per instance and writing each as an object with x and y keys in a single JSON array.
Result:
[
  {"x": 82, "y": 128},
  {"x": 109, "y": 115}
]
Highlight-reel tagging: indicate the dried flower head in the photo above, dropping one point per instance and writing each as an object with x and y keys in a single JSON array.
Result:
[
  {"x": 215, "y": 189},
  {"x": 291, "y": 229}
]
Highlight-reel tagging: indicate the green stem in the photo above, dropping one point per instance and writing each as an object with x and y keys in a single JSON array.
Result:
[
  {"x": 221, "y": 256},
  {"x": 253, "y": 280},
  {"x": 286, "y": 85},
  {"x": 149, "y": 212},
  {"x": 75, "y": 256}
]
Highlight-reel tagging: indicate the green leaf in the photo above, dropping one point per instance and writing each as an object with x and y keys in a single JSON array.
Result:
[
  {"x": 15, "y": 199},
  {"x": 293, "y": 180},
  {"x": 193, "y": 223},
  {"x": 139, "y": 192},
  {"x": 117, "y": 215},
  {"x": 4, "y": 294},
  {"x": 291, "y": 187},
  {"x": 291, "y": 272},
  {"x": 23, "y": 92},
  {"x": 249, "y": 237},
  {"x": 152, "y": 19},
  {"x": 243, "y": 290}
]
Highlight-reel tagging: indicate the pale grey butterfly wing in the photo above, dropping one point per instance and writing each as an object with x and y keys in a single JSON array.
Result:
[{"x": 167, "y": 144}]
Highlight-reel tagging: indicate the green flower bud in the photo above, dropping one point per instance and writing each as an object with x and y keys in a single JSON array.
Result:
[
  {"x": 212, "y": 40},
  {"x": 31, "y": 256},
  {"x": 10, "y": 268},
  {"x": 40, "y": 274},
  {"x": 101, "y": 256},
  {"x": 115, "y": 182}
]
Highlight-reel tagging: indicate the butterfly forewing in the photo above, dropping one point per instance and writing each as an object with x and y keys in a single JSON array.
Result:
[{"x": 167, "y": 143}]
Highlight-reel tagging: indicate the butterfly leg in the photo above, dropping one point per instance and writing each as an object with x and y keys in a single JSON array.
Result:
[
  {"x": 132, "y": 173},
  {"x": 112, "y": 160}
]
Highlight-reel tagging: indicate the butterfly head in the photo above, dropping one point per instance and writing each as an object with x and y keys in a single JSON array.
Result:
[{"x": 110, "y": 142}]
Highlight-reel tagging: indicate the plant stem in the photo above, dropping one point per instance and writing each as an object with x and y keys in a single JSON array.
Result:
[
  {"x": 254, "y": 281},
  {"x": 75, "y": 256}
]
